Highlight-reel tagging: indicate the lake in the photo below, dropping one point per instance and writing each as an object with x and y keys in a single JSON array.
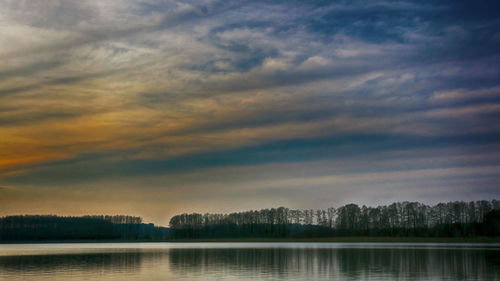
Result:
[{"x": 250, "y": 261}]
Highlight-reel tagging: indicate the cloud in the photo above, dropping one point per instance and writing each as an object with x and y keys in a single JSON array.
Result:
[
  {"x": 97, "y": 94},
  {"x": 29, "y": 69},
  {"x": 462, "y": 95}
]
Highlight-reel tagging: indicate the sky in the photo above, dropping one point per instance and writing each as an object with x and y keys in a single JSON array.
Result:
[{"x": 159, "y": 107}]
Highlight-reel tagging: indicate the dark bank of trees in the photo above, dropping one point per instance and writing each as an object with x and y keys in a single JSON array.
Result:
[
  {"x": 410, "y": 219},
  {"x": 452, "y": 219},
  {"x": 36, "y": 227}
]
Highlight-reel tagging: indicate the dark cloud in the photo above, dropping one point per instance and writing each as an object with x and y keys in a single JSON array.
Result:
[
  {"x": 30, "y": 69},
  {"x": 119, "y": 164},
  {"x": 64, "y": 80},
  {"x": 34, "y": 117}
]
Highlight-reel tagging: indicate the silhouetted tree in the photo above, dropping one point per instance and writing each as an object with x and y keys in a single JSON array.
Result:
[
  {"x": 397, "y": 219},
  {"x": 36, "y": 227}
]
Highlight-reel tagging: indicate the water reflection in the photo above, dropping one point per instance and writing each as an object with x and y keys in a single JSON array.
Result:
[
  {"x": 273, "y": 261},
  {"x": 357, "y": 264},
  {"x": 91, "y": 262}
]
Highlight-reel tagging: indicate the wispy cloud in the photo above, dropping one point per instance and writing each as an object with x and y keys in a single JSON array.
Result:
[{"x": 96, "y": 93}]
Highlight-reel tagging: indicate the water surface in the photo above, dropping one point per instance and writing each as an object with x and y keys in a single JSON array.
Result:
[{"x": 250, "y": 261}]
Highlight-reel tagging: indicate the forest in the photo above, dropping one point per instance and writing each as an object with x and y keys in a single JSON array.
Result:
[
  {"x": 43, "y": 227},
  {"x": 401, "y": 219}
]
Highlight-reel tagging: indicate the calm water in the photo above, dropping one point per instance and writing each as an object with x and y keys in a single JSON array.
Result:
[{"x": 249, "y": 261}]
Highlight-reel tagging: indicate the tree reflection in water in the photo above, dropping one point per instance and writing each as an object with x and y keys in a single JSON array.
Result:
[
  {"x": 271, "y": 261},
  {"x": 358, "y": 263}
]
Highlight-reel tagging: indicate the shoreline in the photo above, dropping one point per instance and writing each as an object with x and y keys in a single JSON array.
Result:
[{"x": 283, "y": 240}]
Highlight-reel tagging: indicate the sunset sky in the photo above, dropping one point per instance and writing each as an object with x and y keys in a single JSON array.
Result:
[{"x": 154, "y": 108}]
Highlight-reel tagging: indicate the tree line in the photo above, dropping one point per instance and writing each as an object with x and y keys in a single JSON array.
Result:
[
  {"x": 51, "y": 227},
  {"x": 451, "y": 219}
]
